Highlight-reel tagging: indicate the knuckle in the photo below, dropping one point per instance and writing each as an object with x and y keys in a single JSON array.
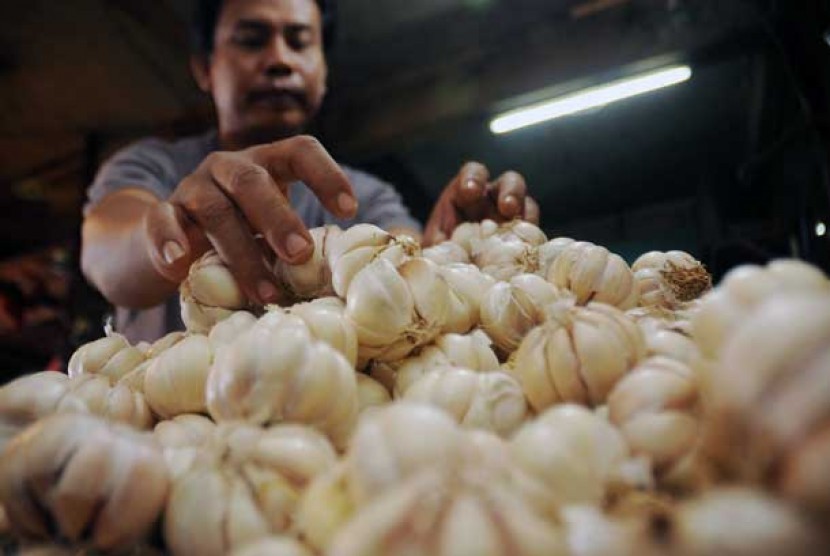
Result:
[
  {"x": 303, "y": 142},
  {"x": 244, "y": 176},
  {"x": 212, "y": 211}
]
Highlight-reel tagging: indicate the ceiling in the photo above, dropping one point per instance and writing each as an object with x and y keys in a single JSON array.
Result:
[{"x": 413, "y": 85}]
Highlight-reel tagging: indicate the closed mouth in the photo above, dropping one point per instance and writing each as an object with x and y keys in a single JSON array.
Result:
[{"x": 279, "y": 99}]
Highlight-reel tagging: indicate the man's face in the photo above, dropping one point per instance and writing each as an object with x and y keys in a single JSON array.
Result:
[{"x": 267, "y": 73}]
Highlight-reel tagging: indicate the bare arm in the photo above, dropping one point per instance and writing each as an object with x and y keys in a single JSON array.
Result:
[{"x": 115, "y": 255}]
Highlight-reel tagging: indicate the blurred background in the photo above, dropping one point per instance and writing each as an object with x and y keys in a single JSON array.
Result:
[{"x": 731, "y": 165}]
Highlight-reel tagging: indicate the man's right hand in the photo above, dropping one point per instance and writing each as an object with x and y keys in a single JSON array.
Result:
[{"x": 233, "y": 197}]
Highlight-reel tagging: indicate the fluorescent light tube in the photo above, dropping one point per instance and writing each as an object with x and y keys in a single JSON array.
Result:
[{"x": 590, "y": 98}]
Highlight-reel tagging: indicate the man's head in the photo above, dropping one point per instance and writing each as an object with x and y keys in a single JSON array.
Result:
[{"x": 263, "y": 63}]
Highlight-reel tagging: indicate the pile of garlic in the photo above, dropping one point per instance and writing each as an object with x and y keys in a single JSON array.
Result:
[{"x": 498, "y": 393}]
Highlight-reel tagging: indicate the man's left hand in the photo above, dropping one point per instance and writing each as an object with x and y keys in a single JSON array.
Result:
[{"x": 472, "y": 197}]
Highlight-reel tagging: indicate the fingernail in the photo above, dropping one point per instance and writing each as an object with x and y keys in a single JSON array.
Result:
[
  {"x": 172, "y": 252},
  {"x": 346, "y": 203},
  {"x": 471, "y": 185},
  {"x": 511, "y": 202},
  {"x": 267, "y": 291},
  {"x": 295, "y": 244}
]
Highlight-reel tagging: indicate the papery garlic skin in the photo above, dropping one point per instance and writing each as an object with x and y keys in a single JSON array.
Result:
[
  {"x": 468, "y": 234},
  {"x": 549, "y": 251},
  {"x": 742, "y": 290},
  {"x": 491, "y": 401},
  {"x": 670, "y": 279},
  {"x": 567, "y": 455},
  {"x": 276, "y": 372},
  {"x": 327, "y": 322},
  {"x": 111, "y": 356},
  {"x": 467, "y": 287},
  {"x": 226, "y": 331},
  {"x": 371, "y": 393},
  {"x": 656, "y": 408},
  {"x": 768, "y": 398},
  {"x": 577, "y": 355},
  {"x": 175, "y": 382},
  {"x": 77, "y": 477},
  {"x": 112, "y": 402},
  {"x": 445, "y": 253},
  {"x": 273, "y": 546},
  {"x": 593, "y": 273},
  {"x": 503, "y": 258},
  {"x": 209, "y": 294},
  {"x": 671, "y": 344},
  {"x": 311, "y": 279},
  {"x": 243, "y": 487},
  {"x": 324, "y": 507},
  {"x": 509, "y": 310},
  {"x": 396, "y": 309},
  {"x": 362, "y": 244},
  {"x": 470, "y": 351},
  {"x": 448, "y": 512}
]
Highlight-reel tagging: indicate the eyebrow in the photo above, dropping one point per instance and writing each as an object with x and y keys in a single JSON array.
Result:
[{"x": 263, "y": 25}]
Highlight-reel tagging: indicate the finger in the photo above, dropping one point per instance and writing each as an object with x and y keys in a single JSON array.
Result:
[
  {"x": 511, "y": 190},
  {"x": 265, "y": 207},
  {"x": 229, "y": 234},
  {"x": 171, "y": 251},
  {"x": 471, "y": 185},
  {"x": 304, "y": 158},
  {"x": 532, "y": 212},
  {"x": 442, "y": 222}
]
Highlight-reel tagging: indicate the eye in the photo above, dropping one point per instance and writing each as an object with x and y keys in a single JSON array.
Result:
[
  {"x": 250, "y": 39},
  {"x": 299, "y": 38}
]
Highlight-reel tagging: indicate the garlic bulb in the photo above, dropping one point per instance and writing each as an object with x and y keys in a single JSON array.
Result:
[
  {"x": 396, "y": 309},
  {"x": 324, "y": 507},
  {"x": 469, "y": 234},
  {"x": 445, "y": 253},
  {"x": 670, "y": 279},
  {"x": 182, "y": 439},
  {"x": 325, "y": 318},
  {"x": 273, "y": 546},
  {"x": 226, "y": 331},
  {"x": 470, "y": 351},
  {"x": 491, "y": 401},
  {"x": 768, "y": 395},
  {"x": 448, "y": 512},
  {"x": 243, "y": 487},
  {"x": 577, "y": 355},
  {"x": 743, "y": 289},
  {"x": 31, "y": 397},
  {"x": 312, "y": 278},
  {"x": 592, "y": 273},
  {"x": 467, "y": 286},
  {"x": 671, "y": 344},
  {"x": 111, "y": 356},
  {"x": 276, "y": 372},
  {"x": 509, "y": 310},
  {"x": 549, "y": 251},
  {"x": 503, "y": 258},
  {"x": 370, "y": 393},
  {"x": 175, "y": 382},
  {"x": 362, "y": 244},
  {"x": 656, "y": 408},
  {"x": 733, "y": 521},
  {"x": 568, "y": 455},
  {"x": 209, "y": 294},
  {"x": 80, "y": 478}
]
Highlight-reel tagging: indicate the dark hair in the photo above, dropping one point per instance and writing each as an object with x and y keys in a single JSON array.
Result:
[{"x": 206, "y": 16}]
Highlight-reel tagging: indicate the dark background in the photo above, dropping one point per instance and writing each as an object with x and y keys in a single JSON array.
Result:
[{"x": 731, "y": 166}]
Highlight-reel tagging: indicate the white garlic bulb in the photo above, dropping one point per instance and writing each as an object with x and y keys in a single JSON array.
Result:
[
  {"x": 209, "y": 294},
  {"x": 567, "y": 455},
  {"x": 312, "y": 278},
  {"x": 505, "y": 257},
  {"x": 243, "y": 487},
  {"x": 491, "y": 401},
  {"x": 396, "y": 309},
  {"x": 549, "y": 251},
  {"x": 371, "y": 393},
  {"x": 656, "y": 408},
  {"x": 742, "y": 290},
  {"x": 577, "y": 355},
  {"x": 273, "y": 546},
  {"x": 79, "y": 478},
  {"x": 276, "y": 372},
  {"x": 111, "y": 356},
  {"x": 327, "y": 322},
  {"x": 467, "y": 287},
  {"x": 509, "y": 310},
  {"x": 226, "y": 331},
  {"x": 468, "y": 234},
  {"x": 470, "y": 351},
  {"x": 355, "y": 248},
  {"x": 670, "y": 279},
  {"x": 447, "y": 252},
  {"x": 674, "y": 345},
  {"x": 175, "y": 382},
  {"x": 592, "y": 273}
]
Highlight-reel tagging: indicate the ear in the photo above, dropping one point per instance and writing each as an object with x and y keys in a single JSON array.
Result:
[{"x": 200, "y": 68}]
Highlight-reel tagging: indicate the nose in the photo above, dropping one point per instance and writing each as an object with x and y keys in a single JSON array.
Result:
[{"x": 280, "y": 59}]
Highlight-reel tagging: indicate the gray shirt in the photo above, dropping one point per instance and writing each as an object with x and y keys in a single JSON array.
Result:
[{"x": 159, "y": 166}]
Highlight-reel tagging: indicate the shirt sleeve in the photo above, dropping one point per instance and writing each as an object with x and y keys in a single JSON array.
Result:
[
  {"x": 146, "y": 164},
  {"x": 380, "y": 204}
]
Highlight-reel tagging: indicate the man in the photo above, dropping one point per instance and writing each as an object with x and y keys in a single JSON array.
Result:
[{"x": 156, "y": 206}]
